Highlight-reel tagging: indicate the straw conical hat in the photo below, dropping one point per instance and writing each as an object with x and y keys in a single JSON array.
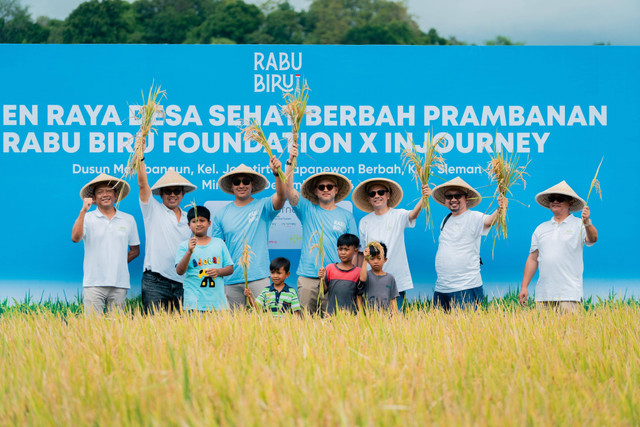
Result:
[
  {"x": 260, "y": 182},
  {"x": 171, "y": 178},
  {"x": 360, "y": 195},
  {"x": 309, "y": 186},
  {"x": 473, "y": 197},
  {"x": 117, "y": 184},
  {"x": 577, "y": 204}
]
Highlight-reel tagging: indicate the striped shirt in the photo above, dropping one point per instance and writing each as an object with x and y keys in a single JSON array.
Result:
[{"x": 280, "y": 302}]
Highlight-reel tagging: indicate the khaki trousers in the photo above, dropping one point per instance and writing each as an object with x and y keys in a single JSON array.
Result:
[
  {"x": 308, "y": 290},
  {"x": 235, "y": 293}
]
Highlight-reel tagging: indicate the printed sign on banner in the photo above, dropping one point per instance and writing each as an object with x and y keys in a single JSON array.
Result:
[{"x": 67, "y": 113}]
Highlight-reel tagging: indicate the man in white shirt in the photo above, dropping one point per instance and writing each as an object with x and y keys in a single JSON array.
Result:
[
  {"x": 384, "y": 223},
  {"x": 459, "y": 282},
  {"x": 110, "y": 242},
  {"x": 556, "y": 248},
  {"x": 165, "y": 226}
]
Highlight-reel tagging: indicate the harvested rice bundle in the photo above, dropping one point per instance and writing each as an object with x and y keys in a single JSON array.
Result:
[
  {"x": 506, "y": 173},
  {"x": 376, "y": 248},
  {"x": 146, "y": 114},
  {"x": 424, "y": 167},
  {"x": 294, "y": 110},
  {"x": 320, "y": 247},
  {"x": 595, "y": 183},
  {"x": 254, "y": 132}
]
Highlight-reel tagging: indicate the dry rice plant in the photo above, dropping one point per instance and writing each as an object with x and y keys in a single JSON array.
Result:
[
  {"x": 378, "y": 247},
  {"x": 245, "y": 263},
  {"x": 424, "y": 167},
  {"x": 595, "y": 183},
  {"x": 294, "y": 110},
  {"x": 254, "y": 132},
  {"x": 320, "y": 247}
]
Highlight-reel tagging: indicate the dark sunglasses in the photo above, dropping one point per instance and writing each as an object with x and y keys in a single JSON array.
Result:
[
  {"x": 244, "y": 181},
  {"x": 329, "y": 187},
  {"x": 172, "y": 191},
  {"x": 557, "y": 198},
  {"x": 378, "y": 192},
  {"x": 457, "y": 196}
]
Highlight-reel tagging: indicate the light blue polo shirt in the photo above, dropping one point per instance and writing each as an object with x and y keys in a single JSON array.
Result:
[
  {"x": 334, "y": 223},
  {"x": 252, "y": 221}
]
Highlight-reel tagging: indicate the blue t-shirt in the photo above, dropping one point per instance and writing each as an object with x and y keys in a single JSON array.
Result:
[
  {"x": 334, "y": 223},
  {"x": 252, "y": 221},
  {"x": 202, "y": 292}
]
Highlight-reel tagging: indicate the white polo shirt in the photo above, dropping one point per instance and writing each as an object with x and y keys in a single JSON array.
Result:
[
  {"x": 389, "y": 229},
  {"x": 560, "y": 263},
  {"x": 458, "y": 256},
  {"x": 163, "y": 235},
  {"x": 106, "y": 247}
]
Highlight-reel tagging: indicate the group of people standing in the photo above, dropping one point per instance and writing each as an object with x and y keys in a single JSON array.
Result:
[{"x": 185, "y": 267}]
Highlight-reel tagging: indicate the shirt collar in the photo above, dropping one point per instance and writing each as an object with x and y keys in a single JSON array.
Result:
[{"x": 272, "y": 288}]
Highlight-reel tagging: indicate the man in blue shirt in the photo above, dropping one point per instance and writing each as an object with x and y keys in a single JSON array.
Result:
[
  {"x": 320, "y": 216},
  {"x": 250, "y": 219}
]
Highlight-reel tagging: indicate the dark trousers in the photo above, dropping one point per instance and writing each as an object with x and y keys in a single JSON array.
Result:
[
  {"x": 158, "y": 292},
  {"x": 460, "y": 299},
  {"x": 400, "y": 299}
]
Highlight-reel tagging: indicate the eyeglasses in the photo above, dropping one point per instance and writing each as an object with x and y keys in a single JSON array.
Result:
[
  {"x": 557, "y": 198},
  {"x": 329, "y": 187},
  {"x": 244, "y": 181},
  {"x": 172, "y": 191},
  {"x": 378, "y": 192},
  {"x": 456, "y": 196}
]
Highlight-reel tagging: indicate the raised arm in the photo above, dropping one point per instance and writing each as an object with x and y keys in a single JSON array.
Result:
[
  {"x": 181, "y": 267},
  {"x": 78, "y": 227},
  {"x": 530, "y": 268},
  {"x": 143, "y": 181},
  {"x": 291, "y": 193},
  {"x": 426, "y": 191},
  {"x": 502, "y": 204},
  {"x": 280, "y": 197},
  {"x": 592, "y": 232},
  {"x": 363, "y": 269}
]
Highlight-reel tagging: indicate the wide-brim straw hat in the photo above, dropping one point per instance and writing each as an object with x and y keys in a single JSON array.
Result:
[
  {"x": 577, "y": 204},
  {"x": 171, "y": 178},
  {"x": 473, "y": 197},
  {"x": 361, "y": 197},
  {"x": 121, "y": 187},
  {"x": 308, "y": 188},
  {"x": 260, "y": 182}
]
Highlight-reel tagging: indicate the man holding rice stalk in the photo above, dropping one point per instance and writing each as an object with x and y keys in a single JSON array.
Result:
[
  {"x": 248, "y": 219},
  {"x": 459, "y": 282},
  {"x": 323, "y": 222},
  {"x": 556, "y": 248},
  {"x": 165, "y": 226},
  {"x": 385, "y": 223},
  {"x": 110, "y": 242}
]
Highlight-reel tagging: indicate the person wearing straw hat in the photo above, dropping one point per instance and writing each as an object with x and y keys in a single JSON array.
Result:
[
  {"x": 248, "y": 219},
  {"x": 110, "y": 242},
  {"x": 459, "y": 282},
  {"x": 319, "y": 214},
  {"x": 165, "y": 226},
  {"x": 385, "y": 223},
  {"x": 556, "y": 250}
]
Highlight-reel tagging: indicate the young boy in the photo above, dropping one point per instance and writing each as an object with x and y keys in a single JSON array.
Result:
[
  {"x": 342, "y": 279},
  {"x": 380, "y": 290},
  {"x": 279, "y": 297},
  {"x": 205, "y": 260}
]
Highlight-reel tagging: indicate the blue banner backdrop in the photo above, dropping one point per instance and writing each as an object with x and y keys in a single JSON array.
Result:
[{"x": 66, "y": 113}]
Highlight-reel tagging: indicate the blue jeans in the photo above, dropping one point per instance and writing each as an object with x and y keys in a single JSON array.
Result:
[
  {"x": 400, "y": 299},
  {"x": 461, "y": 299},
  {"x": 158, "y": 292}
]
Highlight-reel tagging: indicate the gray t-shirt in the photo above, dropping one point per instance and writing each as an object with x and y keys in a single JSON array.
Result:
[{"x": 380, "y": 290}]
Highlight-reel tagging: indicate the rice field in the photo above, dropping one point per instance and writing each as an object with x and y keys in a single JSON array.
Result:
[{"x": 500, "y": 365}]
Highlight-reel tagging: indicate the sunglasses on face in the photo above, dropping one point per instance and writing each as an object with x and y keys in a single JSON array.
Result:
[
  {"x": 172, "y": 191},
  {"x": 456, "y": 196},
  {"x": 244, "y": 181},
  {"x": 557, "y": 198},
  {"x": 322, "y": 187},
  {"x": 378, "y": 192}
]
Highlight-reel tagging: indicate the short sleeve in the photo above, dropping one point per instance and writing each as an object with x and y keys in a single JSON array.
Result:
[
  {"x": 260, "y": 297},
  {"x": 269, "y": 209},
  {"x": 393, "y": 292},
  {"x": 534, "y": 242},
  {"x": 226, "y": 256},
  {"x": 216, "y": 225},
  {"x": 351, "y": 224},
  {"x": 295, "y": 302},
  {"x": 406, "y": 221},
  {"x": 483, "y": 231},
  {"x": 182, "y": 249},
  {"x": 302, "y": 208}
]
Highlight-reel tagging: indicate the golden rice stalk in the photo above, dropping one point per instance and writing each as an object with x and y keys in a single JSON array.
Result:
[
  {"x": 506, "y": 172},
  {"x": 424, "y": 166},
  {"x": 294, "y": 109},
  {"x": 146, "y": 114},
  {"x": 320, "y": 247},
  {"x": 595, "y": 183},
  {"x": 254, "y": 132},
  {"x": 378, "y": 247},
  {"x": 245, "y": 262},
  {"x": 195, "y": 211}
]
